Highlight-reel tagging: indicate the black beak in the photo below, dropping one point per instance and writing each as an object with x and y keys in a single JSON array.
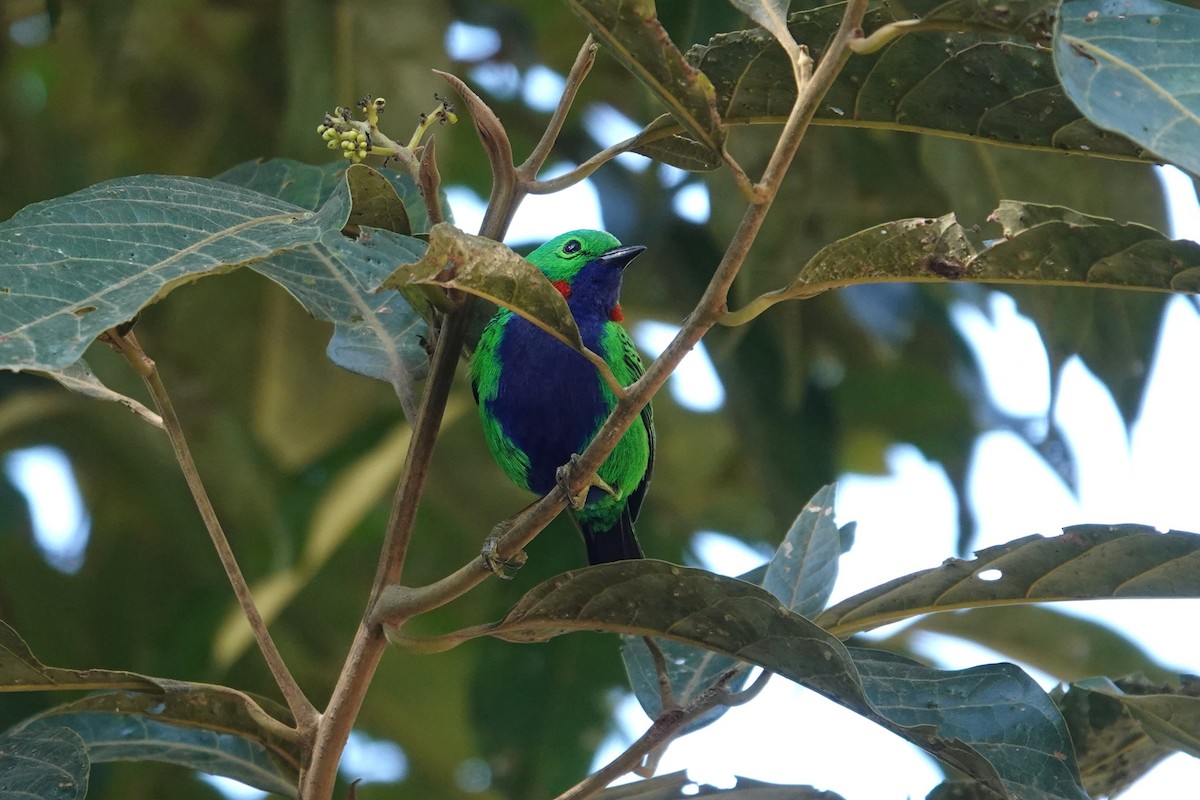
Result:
[{"x": 620, "y": 257}]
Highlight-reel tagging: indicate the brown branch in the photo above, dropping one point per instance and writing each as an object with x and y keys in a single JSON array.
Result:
[{"x": 303, "y": 710}]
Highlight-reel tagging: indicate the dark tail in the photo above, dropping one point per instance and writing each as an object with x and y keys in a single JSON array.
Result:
[{"x": 617, "y": 543}]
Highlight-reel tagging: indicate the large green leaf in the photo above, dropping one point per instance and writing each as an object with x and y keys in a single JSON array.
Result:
[
  {"x": 1013, "y": 740},
  {"x": 961, "y": 84},
  {"x": 1132, "y": 67},
  {"x": 186, "y": 726},
  {"x": 335, "y": 278},
  {"x": 46, "y": 764},
  {"x": 209, "y": 727},
  {"x": 1041, "y": 245},
  {"x": 73, "y": 267},
  {"x": 1170, "y": 717},
  {"x": 631, "y": 32},
  {"x": 1086, "y": 562}
]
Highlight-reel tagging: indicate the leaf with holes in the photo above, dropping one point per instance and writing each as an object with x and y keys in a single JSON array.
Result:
[
  {"x": 993, "y": 723},
  {"x": 969, "y": 82},
  {"x": 1087, "y": 562},
  {"x": 1041, "y": 245},
  {"x": 1132, "y": 68}
]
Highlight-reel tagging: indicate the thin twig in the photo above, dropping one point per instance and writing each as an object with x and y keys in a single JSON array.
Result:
[
  {"x": 303, "y": 710},
  {"x": 579, "y": 70}
]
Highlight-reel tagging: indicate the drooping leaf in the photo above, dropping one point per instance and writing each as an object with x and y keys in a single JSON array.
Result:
[
  {"x": 20, "y": 671},
  {"x": 1132, "y": 68},
  {"x": 1041, "y": 244},
  {"x": 488, "y": 269},
  {"x": 1086, "y": 562},
  {"x": 972, "y": 84},
  {"x": 190, "y": 726},
  {"x": 803, "y": 570},
  {"x": 631, "y": 32},
  {"x": 47, "y": 764},
  {"x": 935, "y": 710}
]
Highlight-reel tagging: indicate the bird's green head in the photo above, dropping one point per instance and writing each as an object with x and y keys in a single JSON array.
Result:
[{"x": 586, "y": 267}]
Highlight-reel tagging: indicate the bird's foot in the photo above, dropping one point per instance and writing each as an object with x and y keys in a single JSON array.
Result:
[
  {"x": 563, "y": 476},
  {"x": 490, "y": 554}
]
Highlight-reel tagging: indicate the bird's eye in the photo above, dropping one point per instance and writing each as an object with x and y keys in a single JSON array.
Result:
[{"x": 572, "y": 246}]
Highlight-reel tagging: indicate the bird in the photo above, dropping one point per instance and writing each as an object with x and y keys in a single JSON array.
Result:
[{"x": 541, "y": 402}]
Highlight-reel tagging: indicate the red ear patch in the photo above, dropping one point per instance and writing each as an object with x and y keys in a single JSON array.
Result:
[
  {"x": 564, "y": 289},
  {"x": 616, "y": 315}
]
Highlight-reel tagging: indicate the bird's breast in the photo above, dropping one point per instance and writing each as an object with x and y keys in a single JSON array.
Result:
[{"x": 549, "y": 401}]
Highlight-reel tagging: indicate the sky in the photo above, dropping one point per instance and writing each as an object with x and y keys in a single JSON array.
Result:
[{"x": 906, "y": 519}]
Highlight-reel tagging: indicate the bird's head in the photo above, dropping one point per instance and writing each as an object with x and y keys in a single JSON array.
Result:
[{"x": 586, "y": 266}]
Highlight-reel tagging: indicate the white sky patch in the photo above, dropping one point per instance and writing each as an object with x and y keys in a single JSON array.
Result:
[
  {"x": 725, "y": 555},
  {"x": 31, "y": 31},
  {"x": 695, "y": 384},
  {"x": 691, "y": 203},
  {"x": 1011, "y": 355},
  {"x": 609, "y": 126},
  {"x": 61, "y": 525},
  {"x": 542, "y": 88},
  {"x": 575, "y": 207},
  {"x": 231, "y": 789},
  {"x": 1183, "y": 209},
  {"x": 670, "y": 176},
  {"x": 373, "y": 760},
  {"x": 502, "y": 80},
  {"x": 468, "y": 207},
  {"x": 471, "y": 42}
]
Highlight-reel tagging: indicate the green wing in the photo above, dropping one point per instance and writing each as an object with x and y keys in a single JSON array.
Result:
[{"x": 627, "y": 366}]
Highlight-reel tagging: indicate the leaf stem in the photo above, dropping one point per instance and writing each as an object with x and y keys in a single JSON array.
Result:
[{"x": 305, "y": 713}]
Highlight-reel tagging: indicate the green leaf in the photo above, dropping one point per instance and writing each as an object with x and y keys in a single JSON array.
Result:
[
  {"x": 488, "y": 269},
  {"x": 170, "y": 714},
  {"x": 965, "y": 85},
  {"x": 73, "y": 267},
  {"x": 48, "y": 764},
  {"x": 1086, "y": 562},
  {"x": 1132, "y": 68},
  {"x": 996, "y": 710},
  {"x": 188, "y": 725},
  {"x": 631, "y": 32},
  {"x": 937, "y": 711},
  {"x": 1041, "y": 245},
  {"x": 1171, "y": 718},
  {"x": 803, "y": 570},
  {"x": 335, "y": 278}
]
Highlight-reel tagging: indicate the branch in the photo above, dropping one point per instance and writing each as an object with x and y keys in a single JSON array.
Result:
[{"x": 304, "y": 712}]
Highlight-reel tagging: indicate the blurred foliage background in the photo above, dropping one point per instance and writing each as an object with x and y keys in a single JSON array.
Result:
[{"x": 95, "y": 90}]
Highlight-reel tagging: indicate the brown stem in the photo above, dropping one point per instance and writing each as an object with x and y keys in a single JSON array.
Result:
[
  {"x": 579, "y": 70},
  {"x": 304, "y": 711}
]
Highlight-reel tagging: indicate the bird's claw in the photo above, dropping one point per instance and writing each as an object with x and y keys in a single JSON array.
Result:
[
  {"x": 490, "y": 555},
  {"x": 563, "y": 476}
]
